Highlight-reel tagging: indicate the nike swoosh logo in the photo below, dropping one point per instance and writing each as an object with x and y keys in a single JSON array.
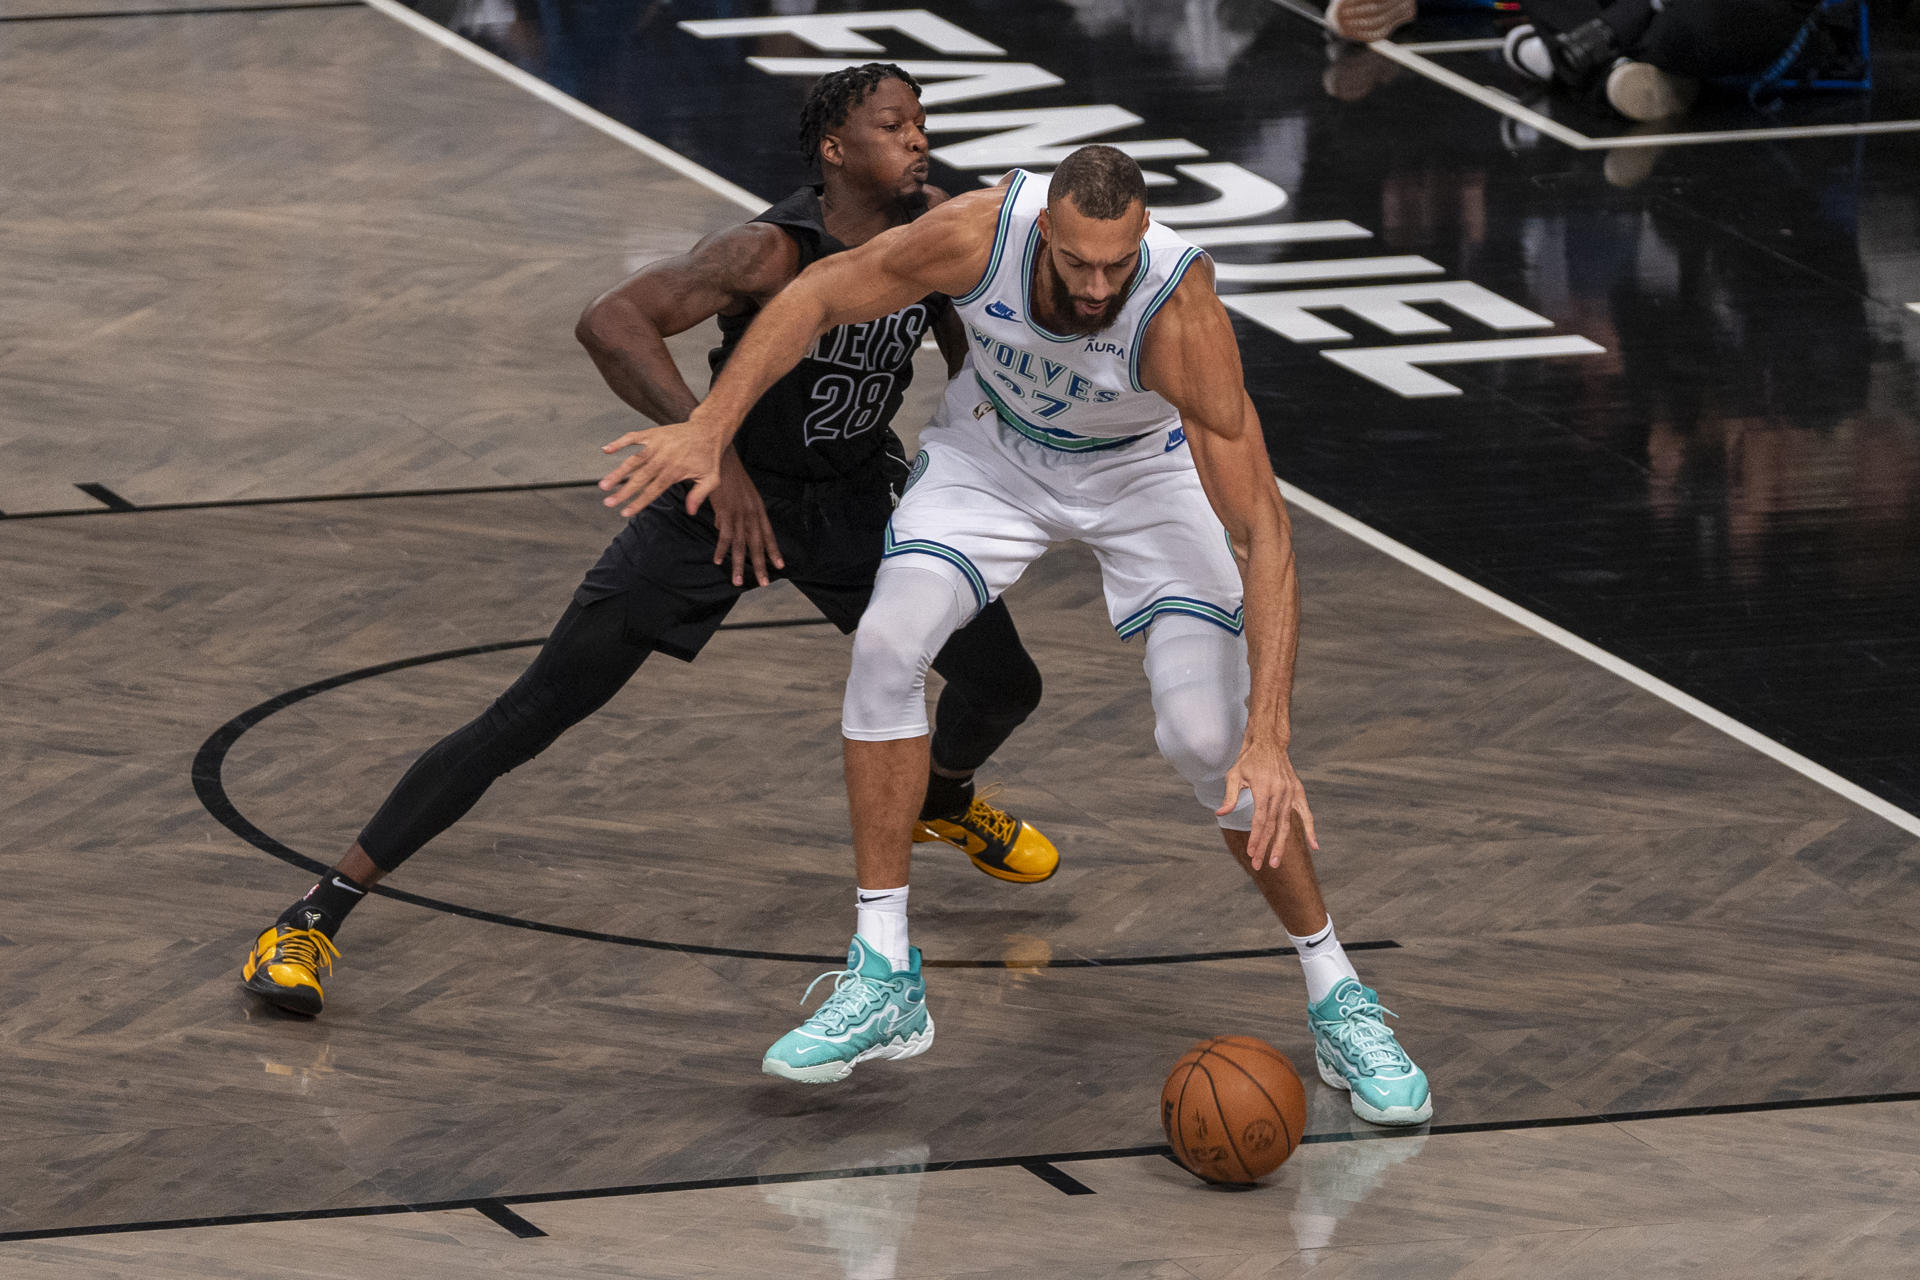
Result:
[
  {"x": 958, "y": 836},
  {"x": 349, "y": 888}
]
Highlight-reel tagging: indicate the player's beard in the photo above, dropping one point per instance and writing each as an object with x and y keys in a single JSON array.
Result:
[{"x": 1067, "y": 314}]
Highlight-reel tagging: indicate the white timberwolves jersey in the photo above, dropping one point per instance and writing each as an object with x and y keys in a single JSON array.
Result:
[{"x": 1075, "y": 394}]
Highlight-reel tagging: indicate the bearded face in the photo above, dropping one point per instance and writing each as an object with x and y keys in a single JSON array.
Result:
[
  {"x": 1076, "y": 315},
  {"x": 1090, "y": 264}
]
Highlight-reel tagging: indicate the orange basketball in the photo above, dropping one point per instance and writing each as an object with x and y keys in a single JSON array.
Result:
[{"x": 1234, "y": 1109}]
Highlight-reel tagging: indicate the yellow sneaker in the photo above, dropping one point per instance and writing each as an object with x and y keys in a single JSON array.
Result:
[
  {"x": 999, "y": 843},
  {"x": 282, "y": 967}
]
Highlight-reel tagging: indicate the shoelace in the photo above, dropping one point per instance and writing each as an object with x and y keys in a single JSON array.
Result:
[
  {"x": 851, "y": 996},
  {"x": 1365, "y": 1039},
  {"x": 309, "y": 947},
  {"x": 998, "y": 823}
]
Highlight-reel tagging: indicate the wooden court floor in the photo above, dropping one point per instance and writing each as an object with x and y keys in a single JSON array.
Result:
[{"x": 1665, "y": 988}]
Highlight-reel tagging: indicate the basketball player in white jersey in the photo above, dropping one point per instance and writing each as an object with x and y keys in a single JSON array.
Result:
[{"x": 1102, "y": 402}]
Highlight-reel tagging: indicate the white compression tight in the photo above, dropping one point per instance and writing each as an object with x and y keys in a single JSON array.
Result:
[
  {"x": 1198, "y": 673},
  {"x": 917, "y": 604},
  {"x": 1200, "y": 682}
]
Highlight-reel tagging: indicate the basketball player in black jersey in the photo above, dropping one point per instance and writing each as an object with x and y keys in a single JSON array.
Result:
[{"x": 805, "y": 495}]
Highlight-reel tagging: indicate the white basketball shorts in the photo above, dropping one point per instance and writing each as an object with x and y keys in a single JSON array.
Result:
[{"x": 988, "y": 501}]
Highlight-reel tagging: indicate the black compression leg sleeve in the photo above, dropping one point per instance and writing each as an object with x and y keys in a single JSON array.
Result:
[
  {"x": 583, "y": 663},
  {"x": 992, "y": 685}
]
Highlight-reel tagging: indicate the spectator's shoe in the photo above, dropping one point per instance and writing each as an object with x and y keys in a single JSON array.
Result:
[
  {"x": 1642, "y": 91},
  {"x": 283, "y": 967},
  {"x": 1575, "y": 59},
  {"x": 1356, "y": 1052},
  {"x": 1526, "y": 52},
  {"x": 1364, "y": 21},
  {"x": 999, "y": 843},
  {"x": 872, "y": 1013}
]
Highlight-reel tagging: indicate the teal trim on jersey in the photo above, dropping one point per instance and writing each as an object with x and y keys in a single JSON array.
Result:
[
  {"x": 1134, "y": 623},
  {"x": 1052, "y": 437},
  {"x": 1026, "y": 277},
  {"x": 939, "y": 551},
  {"x": 913, "y": 477},
  {"x": 999, "y": 243},
  {"x": 1146, "y": 317}
]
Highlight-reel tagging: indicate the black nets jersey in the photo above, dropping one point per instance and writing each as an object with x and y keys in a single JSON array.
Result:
[{"x": 832, "y": 415}]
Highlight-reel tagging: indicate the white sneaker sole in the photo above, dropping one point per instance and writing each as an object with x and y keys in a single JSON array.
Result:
[
  {"x": 829, "y": 1072},
  {"x": 1641, "y": 91},
  {"x": 1366, "y": 1110}
]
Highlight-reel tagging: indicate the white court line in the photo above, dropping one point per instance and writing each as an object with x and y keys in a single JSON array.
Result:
[
  {"x": 1460, "y": 84},
  {"x": 1454, "y": 46},
  {"x": 572, "y": 106},
  {"x": 1306, "y": 502},
  {"x": 1481, "y": 94},
  {"x": 1754, "y": 135},
  {"x": 1633, "y": 675},
  {"x": 1410, "y": 57},
  {"x": 1914, "y": 307}
]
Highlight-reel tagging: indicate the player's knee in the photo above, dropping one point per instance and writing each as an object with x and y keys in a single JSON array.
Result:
[
  {"x": 1016, "y": 689},
  {"x": 1198, "y": 741},
  {"x": 912, "y": 613},
  {"x": 1198, "y": 674},
  {"x": 890, "y": 655}
]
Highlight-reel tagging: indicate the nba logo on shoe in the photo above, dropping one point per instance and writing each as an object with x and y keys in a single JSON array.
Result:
[{"x": 1000, "y": 311}]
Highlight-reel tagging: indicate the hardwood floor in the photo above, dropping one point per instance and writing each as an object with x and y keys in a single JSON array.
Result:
[{"x": 308, "y": 252}]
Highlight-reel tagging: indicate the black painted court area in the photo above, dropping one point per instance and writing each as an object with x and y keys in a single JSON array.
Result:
[{"x": 1724, "y": 496}]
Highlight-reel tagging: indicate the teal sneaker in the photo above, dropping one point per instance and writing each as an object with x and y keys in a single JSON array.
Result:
[
  {"x": 1355, "y": 1052},
  {"x": 872, "y": 1013}
]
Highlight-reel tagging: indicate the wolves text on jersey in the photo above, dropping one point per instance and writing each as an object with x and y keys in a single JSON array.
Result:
[{"x": 1049, "y": 387}]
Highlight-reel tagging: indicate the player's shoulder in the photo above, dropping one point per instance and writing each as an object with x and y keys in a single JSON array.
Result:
[
  {"x": 1190, "y": 273},
  {"x": 750, "y": 257}
]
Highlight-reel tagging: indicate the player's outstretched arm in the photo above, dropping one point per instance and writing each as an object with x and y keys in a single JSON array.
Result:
[
  {"x": 944, "y": 251},
  {"x": 1192, "y": 359},
  {"x": 625, "y": 330}
]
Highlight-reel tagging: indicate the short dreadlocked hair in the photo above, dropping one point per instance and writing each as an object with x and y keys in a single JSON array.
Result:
[{"x": 836, "y": 94}]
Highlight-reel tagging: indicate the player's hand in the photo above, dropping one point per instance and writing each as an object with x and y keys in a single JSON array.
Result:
[
  {"x": 1277, "y": 797},
  {"x": 684, "y": 451},
  {"x": 741, "y": 518}
]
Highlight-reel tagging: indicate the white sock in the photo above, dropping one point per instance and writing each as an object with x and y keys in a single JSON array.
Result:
[
  {"x": 1324, "y": 962},
  {"x": 882, "y": 920}
]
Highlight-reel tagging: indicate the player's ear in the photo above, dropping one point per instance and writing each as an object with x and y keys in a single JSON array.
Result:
[
  {"x": 830, "y": 152},
  {"x": 1045, "y": 224}
]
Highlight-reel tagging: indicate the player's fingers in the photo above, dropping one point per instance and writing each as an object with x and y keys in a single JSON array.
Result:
[
  {"x": 740, "y": 561},
  {"x": 757, "y": 550},
  {"x": 624, "y": 488},
  {"x": 1234, "y": 787},
  {"x": 697, "y": 494},
  {"x": 1261, "y": 844},
  {"x": 651, "y": 477},
  {"x": 1306, "y": 825},
  {"x": 631, "y": 438},
  {"x": 769, "y": 545},
  {"x": 620, "y": 471}
]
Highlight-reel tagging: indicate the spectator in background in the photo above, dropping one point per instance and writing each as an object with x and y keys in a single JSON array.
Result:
[
  {"x": 1648, "y": 58},
  {"x": 1364, "y": 21}
]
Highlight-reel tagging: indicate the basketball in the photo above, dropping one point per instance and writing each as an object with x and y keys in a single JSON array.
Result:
[{"x": 1234, "y": 1109}]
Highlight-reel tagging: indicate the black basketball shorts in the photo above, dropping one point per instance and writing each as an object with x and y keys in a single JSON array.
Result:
[{"x": 675, "y": 595}]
